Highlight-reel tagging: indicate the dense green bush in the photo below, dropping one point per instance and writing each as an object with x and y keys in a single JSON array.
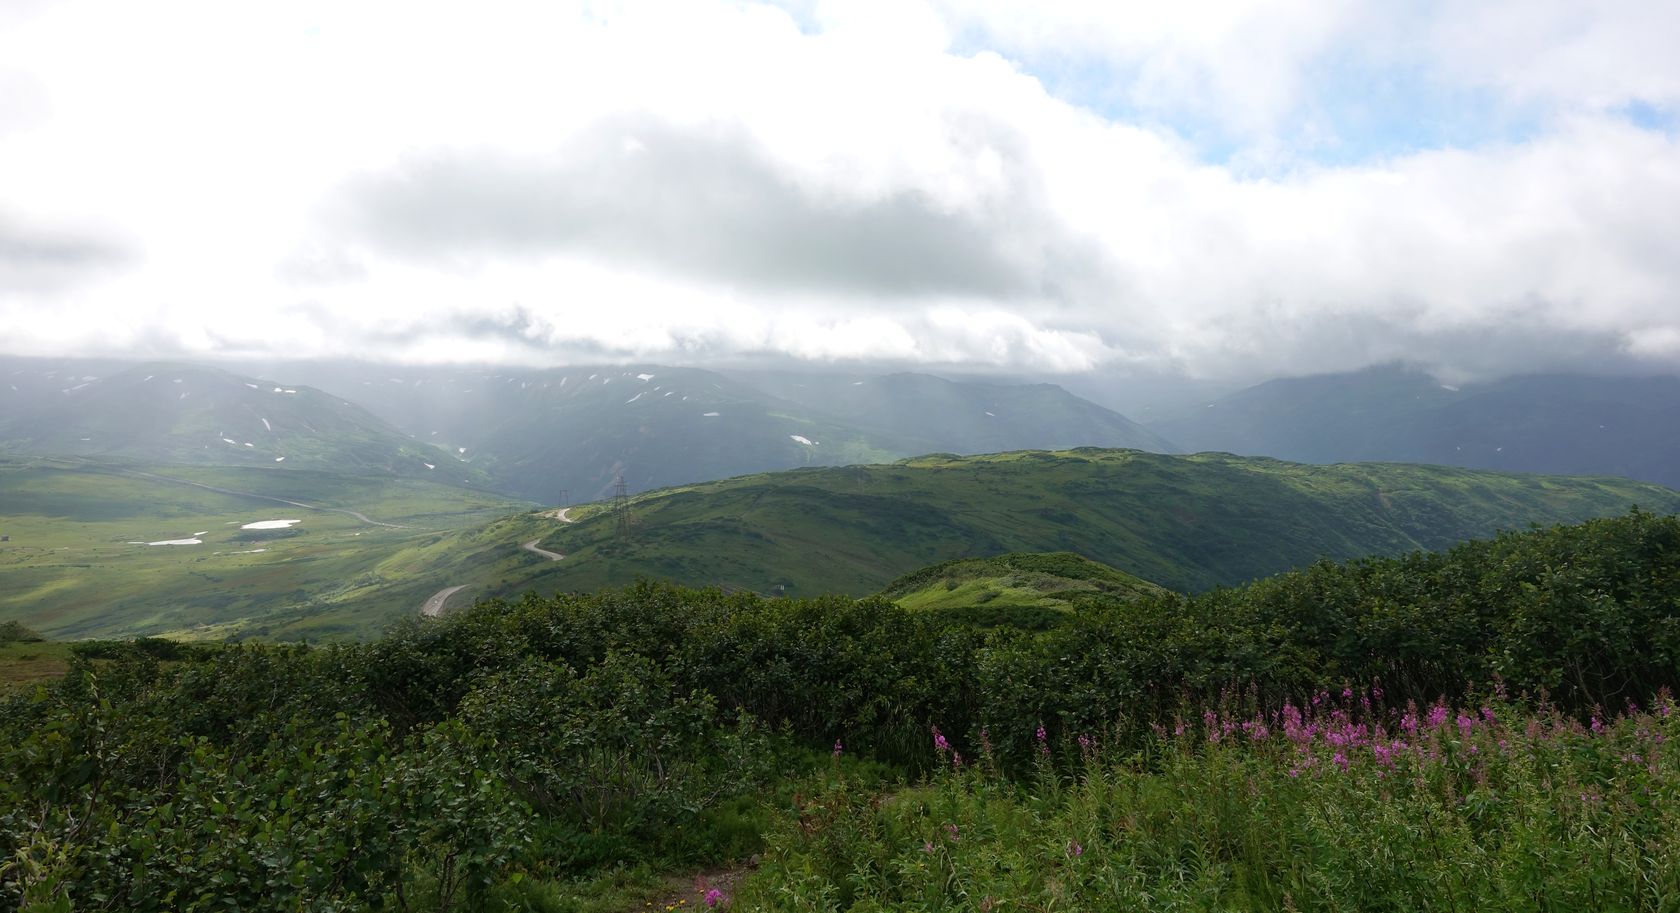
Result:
[{"x": 13, "y": 632}]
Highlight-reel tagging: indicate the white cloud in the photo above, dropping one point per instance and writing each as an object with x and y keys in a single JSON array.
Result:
[{"x": 692, "y": 180}]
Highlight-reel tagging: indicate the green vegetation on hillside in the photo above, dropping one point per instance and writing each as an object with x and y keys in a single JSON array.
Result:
[
  {"x": 77, "y": 566},
  {"x": 1345, "y": 805},
  {"x": 77, "y": 562},
  {"x": 1021, "y": 589},
  {"x": 1185, "y": 522},
  {"x": 491, "y": 759}
]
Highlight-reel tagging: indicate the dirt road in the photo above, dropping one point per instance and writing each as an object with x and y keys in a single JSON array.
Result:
[
  {"x": 532, "y": 547},
  {"x": 434, "y": 604}
]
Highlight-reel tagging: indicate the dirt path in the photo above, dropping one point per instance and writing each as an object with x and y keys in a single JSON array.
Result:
[
  {"x": 434, "y": 603},
  {"x": 532, "y": 547},
  {"x": 559, "y": 513}
]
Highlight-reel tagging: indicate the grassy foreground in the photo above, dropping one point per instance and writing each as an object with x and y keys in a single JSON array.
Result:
[{"x": 1341, "y": 804}]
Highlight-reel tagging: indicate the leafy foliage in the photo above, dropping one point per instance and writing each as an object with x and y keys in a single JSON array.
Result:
[{"x": 13, "y": 632}]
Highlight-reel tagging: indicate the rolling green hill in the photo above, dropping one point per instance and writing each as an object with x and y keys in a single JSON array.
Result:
[
  {"x": 174, "y": 413},
  {"x": 1185, "y": 522},
  {"x": 79, "y": 564}
]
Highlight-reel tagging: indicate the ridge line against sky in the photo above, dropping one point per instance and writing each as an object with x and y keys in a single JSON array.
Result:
[{"x": 1228, "y": 190}]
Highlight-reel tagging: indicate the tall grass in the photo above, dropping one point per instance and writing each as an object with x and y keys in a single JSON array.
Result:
[{"x": 1342, "y": 804}]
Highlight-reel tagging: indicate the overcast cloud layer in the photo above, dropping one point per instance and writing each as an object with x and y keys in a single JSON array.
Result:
[{"x": 1232, "y": 190}]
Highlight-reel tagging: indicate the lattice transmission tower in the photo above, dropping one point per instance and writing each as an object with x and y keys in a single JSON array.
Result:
[{"x": 621, "y": 507}]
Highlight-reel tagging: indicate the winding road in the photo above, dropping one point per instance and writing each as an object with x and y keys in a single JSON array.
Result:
[
  {"x": 532, "y": 545},
  {"x": 434, "y": 605}
]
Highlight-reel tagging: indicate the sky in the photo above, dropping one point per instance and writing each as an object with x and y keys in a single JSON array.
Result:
[{"x": 1224, "y": 191}]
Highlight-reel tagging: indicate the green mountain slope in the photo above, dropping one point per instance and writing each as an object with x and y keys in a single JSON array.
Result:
[
  {"x": 1573, "y": 424},
  {"x": 1185, "y": 522},
  {"x": 173, "y": 413}
]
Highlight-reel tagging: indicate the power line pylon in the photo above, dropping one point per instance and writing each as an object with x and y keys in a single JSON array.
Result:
[{"x": 621, "y": 508}]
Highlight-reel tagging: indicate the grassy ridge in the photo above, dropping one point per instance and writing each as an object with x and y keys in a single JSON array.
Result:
[{"x": 1185, "y": 522}]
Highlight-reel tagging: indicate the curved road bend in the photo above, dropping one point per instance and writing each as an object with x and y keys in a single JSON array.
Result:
[
  {"x": 532, "y": 547},
  {"x": 434, "y": 605}
]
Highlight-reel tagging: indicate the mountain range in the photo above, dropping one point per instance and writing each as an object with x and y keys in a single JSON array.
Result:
[
  {"x": 565, "y": 435},
  {"x": 190, "y": 414},
  {"x": 1552, "y": 423}
]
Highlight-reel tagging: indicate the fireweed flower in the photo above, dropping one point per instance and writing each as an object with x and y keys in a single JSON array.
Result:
[
  {"x": 714, "y": 897},
  {"x": 951, "y": 831},
  {"x": 939, "y": 743},
  {"x": 1437, "y": 716},
  {"x": 1409, "y": 723},
  {"x": 1043, "y": 741},
  {"x": 1074, "y": 849},
  {"x": 838, "y": 748}
]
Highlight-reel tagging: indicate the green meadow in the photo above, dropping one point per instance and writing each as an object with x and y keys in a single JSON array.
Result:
[{"x": 77, "y": 562}]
